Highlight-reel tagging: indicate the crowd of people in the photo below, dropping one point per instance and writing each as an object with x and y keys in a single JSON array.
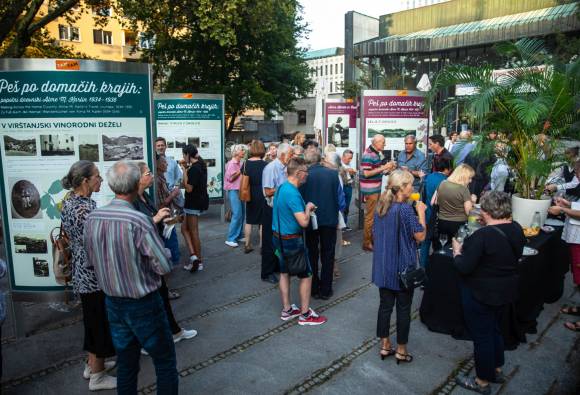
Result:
[{"x": 299, "y": 198}]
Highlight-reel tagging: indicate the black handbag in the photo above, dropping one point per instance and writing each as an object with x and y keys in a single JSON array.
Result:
[
  {"x": 295, "y": 263},
  {"x": 414, "y": 276}
]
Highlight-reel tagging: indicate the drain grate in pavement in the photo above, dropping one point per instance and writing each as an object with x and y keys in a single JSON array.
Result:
[{"x": 254, "y": 340}]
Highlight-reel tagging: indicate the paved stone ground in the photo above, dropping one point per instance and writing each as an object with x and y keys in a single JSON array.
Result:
[{"x": 244, "y": 348}]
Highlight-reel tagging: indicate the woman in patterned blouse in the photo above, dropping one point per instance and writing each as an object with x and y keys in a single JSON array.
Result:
[
  {"x": 83, "y": 179},
  {"x": 394, "y": 252}
]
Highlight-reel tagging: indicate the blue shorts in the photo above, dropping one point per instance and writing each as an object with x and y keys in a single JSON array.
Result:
[{"x": 189, "y": 211}]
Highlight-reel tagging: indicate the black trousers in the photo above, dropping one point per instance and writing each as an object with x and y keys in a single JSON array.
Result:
[
  {"x": 404, "y": 299},
  {"x": 483, "y": 322},
  {"x": 321, "y": 244},
  {"x": 164, "y": 292},
  {"x": 449, "y": 228},
  {"x": 270, "y": 263}
]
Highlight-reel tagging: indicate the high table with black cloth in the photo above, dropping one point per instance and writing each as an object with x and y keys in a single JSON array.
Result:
[{"x": 541, "y": 280}]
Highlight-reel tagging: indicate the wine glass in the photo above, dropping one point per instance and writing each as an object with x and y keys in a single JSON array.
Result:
[
  {"x": 462, "y": 233},
  {"x": 443, "y": 241}
]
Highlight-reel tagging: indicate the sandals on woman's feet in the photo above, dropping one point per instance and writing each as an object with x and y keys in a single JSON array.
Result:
[
  {"x": 403, "y": 358},
  {"x": 573, "y": 326},
  {"x": 570, "y": 310},
  {"x": 469, "y": 383},
  {"x": 386, "y": 352}
]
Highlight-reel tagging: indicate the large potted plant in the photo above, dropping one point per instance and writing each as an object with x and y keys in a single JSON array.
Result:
[{"x": 534, "y": 102}]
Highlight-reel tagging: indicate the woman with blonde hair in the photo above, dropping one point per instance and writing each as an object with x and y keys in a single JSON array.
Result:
[
  {"x": 454, "y": 200},
  {"x": 394, "y": 253}
]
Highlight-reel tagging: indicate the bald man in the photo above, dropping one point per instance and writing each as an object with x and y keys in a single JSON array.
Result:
[{"x": 372, "y": 168}]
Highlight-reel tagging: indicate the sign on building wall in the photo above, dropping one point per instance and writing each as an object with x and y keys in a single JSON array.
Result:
[
  {"x": 52, "y": 114},
  {"x": 340, "y": 125},
  {"x": 197, "y": 119},
  {"x": 394, "y": 114}
]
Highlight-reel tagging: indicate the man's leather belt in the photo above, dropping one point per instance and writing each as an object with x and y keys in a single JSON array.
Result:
[{"x": 287, "y": 237}]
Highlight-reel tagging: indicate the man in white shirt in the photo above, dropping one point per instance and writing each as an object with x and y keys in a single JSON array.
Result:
[{"x": 451, "y": 141}]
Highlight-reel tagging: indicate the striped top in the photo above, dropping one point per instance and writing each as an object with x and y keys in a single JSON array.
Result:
[
  {"x": 370, "y": 160},
  {"x": 125, "y": 250}
]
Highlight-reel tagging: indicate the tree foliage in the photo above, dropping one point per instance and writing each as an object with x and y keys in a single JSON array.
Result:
[
  {"x": 536, "y": 102},
  {"x": 244, "y": 49},
  {"x": 21, "y": 22}
]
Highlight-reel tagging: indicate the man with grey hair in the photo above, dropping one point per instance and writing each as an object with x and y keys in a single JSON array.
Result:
[
  {"x": 273, "y": 176},
  {"x": 413, "y": 160},
  {"x": 372, "y": 167},
  {"x": 129, "y": 259}
]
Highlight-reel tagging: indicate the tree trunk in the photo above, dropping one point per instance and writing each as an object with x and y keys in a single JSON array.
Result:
[{"x": 233, "y": 117}]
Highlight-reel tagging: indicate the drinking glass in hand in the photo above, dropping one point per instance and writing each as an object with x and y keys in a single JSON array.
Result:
[{"x": 443, "y": 241}]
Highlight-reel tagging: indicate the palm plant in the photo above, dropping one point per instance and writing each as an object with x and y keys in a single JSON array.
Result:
[{"x": 535, "y": 103}]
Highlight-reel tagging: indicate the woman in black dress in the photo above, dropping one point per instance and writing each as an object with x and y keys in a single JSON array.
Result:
[
  {"x": 253, "y": 168},
  {"x": 196, "y": 202}
]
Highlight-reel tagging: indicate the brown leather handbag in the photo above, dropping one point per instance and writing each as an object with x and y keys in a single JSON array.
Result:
[{"x": 245, "y": 193}]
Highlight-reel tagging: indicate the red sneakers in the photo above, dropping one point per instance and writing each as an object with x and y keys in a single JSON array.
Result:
[
  {"x": 311, "y": 319},
  {"x": 292, "y": 313}
]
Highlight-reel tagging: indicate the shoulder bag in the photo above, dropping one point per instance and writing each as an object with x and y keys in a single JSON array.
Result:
[
  {"x": 61, "y": 256},
  {"x": 245, "y": 192},
  {"x": 295, "y": 263},
  {"x": 413, "y": 276}
]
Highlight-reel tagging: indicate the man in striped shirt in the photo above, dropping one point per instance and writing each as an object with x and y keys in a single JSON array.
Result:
[
  {"x": 372, "y": 168},
  {"x": 129, "y": 259}
]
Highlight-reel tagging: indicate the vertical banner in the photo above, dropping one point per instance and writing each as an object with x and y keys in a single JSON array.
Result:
[
  {"x": 52, "y": 114},
  {"x": 197, "y": 119},
  {"x": 340, "y": 125},
  {"x": 394, "y": 114}
]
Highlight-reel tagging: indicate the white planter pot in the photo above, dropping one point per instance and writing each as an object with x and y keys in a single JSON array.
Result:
[{"x": 523, "y": 210}]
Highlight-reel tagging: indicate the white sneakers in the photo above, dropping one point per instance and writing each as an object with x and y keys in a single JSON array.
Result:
[
  {"x": 185, "y": 334},
  {"x": 102, "y": 381},
  {"x": 232, "y": 244},
  {"x": 108, "y": 366},
  {"x": 189, "y": 265}
]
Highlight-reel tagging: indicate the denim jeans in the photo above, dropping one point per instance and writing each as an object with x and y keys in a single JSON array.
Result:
[
  {"x": 236, "y": 229},
  {"x": 172, "y": 244},
  {"x": 347, "y": 199},
  {"x": 483, "y": 323},
  {"x": 137, "y": 323}
]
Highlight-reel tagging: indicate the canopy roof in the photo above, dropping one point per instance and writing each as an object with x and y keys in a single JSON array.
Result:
[{"x": 540, "y": 22}]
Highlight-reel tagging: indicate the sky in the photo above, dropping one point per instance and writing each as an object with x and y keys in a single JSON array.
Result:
[{"x": 326, "y": 18}]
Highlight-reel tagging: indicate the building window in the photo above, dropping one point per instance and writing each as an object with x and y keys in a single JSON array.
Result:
[
  {"x": 103, "y": 11},
  {"x": 341, "y": 69},
  {"x": 68, "y": 33},
  {"x": 331, "y": 87},
  {"x": 146, "y": 41},
  {"x": 130, "y": 38},
  {"x": 336, "y": 68},
  {"x": 325, "y": 69},
  {"x": 301, "y": 117},
  {"x": 102, "y": 37}
]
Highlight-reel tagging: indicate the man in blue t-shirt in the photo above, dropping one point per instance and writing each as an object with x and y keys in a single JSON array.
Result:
[{"x": 289, "y": 216}]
